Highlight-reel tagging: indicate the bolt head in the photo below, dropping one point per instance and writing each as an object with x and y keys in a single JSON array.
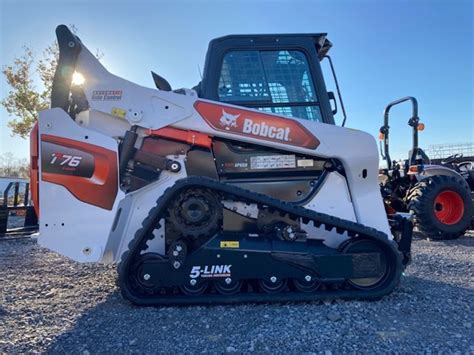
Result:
[
  {"x": 179, "y": 248},
  {"x": 175, "y": 253},
  {"x": 193, "y": 282},
  {"x": 307, "y": 278},
  {"x": 273, "y": 279},
  {"x": 146, "y": 277},
  {"x": 176, "y": 264},
  {"x": 228, "y": 280},
  {"x": 175, "y": 167},
  {"x": 245, "y": 256}
]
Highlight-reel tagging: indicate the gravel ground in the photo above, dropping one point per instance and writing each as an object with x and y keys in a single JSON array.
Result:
[{"x": 52, "y": 304}]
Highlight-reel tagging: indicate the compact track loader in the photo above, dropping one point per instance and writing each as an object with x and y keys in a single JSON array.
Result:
[{"x": 215, "y": 194}]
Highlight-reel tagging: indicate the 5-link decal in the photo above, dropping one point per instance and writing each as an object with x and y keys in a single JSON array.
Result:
[{"x": 210, "y": 271}]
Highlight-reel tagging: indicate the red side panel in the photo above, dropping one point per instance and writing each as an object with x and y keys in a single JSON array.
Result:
[
  {"x": 256, "y": 125},
  {"x": 88, "y": 171},
  {"x": 190, "y": 137},
  {"x": 34, "y": 168}
]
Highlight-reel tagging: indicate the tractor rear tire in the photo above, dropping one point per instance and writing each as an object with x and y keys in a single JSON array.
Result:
[{"x": 442, "y": 207}]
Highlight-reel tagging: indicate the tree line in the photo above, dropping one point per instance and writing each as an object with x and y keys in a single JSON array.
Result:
[{"x": 10, "y": 166}]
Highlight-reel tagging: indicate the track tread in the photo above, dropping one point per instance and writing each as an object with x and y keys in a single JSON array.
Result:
[{"x": 353, "y": 229}]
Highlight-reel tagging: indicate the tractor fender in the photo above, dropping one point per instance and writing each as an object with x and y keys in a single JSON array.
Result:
[{"x": 432, "y": 170}]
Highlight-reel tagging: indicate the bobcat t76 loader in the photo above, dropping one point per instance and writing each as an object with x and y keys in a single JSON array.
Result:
[{"x": 216, "y": 194}]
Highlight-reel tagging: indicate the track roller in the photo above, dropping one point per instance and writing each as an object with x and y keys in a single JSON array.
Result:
[
  {"x": 228, "y": 286},
  {"x": 141, "y": 277},
  {"x": 194, "y": 288},
  {"x": 273, "y": 285},
  {"x": 308, "y": 284}
]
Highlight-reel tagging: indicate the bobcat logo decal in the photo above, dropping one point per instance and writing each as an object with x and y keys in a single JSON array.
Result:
[
  {"x": 257, "y": 125},
  {"x": 228, "y": 121}
]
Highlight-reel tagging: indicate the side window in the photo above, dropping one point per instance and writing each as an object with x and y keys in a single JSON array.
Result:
[
  {"x": 243, "y": 78},
  {"x": 288, "y": 70},
  {"x": 273, "y": 81}
]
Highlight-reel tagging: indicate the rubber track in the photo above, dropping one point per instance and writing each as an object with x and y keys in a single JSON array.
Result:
[{"x": 353, "y": 229}]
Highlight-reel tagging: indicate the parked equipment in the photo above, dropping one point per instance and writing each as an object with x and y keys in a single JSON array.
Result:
[
  {"x": 202, "y": 201},
  {"x": 17, "y": 215},
  {"x": 464, "y": 167},
  {"x": 438, "y": 196}
]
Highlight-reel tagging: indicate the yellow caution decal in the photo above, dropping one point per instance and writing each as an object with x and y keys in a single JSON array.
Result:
[
  {"x": 119, "y": 112},
  {"x": 230, "y": 244}
]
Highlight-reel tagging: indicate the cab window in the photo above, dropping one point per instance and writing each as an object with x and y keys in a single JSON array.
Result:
[{"x": 272, "y": 81}]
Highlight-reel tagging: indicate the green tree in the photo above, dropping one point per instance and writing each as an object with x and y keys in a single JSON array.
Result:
[{"x": 24, "y": 99}]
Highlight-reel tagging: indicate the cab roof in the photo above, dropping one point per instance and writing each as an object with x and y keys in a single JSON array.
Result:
[{"x": 321, "y": 42}]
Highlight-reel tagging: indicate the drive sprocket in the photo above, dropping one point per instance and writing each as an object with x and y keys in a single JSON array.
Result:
[{"x": 196, "y": 213}]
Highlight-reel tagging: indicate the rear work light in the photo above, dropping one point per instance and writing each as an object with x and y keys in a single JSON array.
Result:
[{"x": 415, "y": 169}]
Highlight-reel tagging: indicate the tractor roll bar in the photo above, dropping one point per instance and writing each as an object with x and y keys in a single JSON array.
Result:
[
  {"x": 413, "y": 122},
  {"x": 69, "y": 49}
]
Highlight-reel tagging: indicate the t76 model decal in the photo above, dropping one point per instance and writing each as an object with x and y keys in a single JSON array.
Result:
[
  {"x": 255, "y": 124},
  {"x": 60, "y": 159},
  {"x": 89, "y": 172}
]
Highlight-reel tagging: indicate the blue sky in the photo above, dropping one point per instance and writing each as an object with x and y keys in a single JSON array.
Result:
[{"x": 383, "y": 50}]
